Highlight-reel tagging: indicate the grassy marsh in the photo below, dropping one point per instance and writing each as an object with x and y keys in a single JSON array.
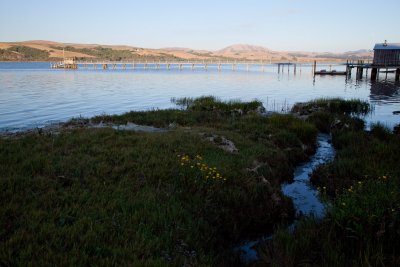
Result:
[
  {"x": 363, "y": 186},
  {"x": 107, "y": 197}
]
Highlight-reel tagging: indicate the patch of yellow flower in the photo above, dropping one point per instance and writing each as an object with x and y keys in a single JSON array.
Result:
[
  {"x": 197, "y": 163},
  {"x": 350, "y": 189},
  {"x": 383, "y": 178}
]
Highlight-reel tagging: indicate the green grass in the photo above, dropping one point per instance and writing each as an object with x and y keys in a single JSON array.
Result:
[
  {"x": 334, "y": 105},
  {"x": 109, "y": 198},
  {"x": 106, "y": 198},
  {"x": 211, "y": 103},
  {"x": 363, "y": 186}
]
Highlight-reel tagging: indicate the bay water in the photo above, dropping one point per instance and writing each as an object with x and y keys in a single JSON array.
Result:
[{"x": 34, "y": 95}]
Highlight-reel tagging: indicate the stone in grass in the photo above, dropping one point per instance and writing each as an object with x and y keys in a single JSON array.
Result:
[{"x": 222, "y": 142}]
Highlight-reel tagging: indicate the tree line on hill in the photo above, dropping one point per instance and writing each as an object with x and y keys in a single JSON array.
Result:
[{"x": 23, "y": 53}]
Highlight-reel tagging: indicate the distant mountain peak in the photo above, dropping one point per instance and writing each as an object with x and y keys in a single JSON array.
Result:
[{"x": 243, "y": 48}]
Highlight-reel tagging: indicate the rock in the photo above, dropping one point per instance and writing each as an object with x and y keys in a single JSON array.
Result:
[
  {"x": 255, "y": 166},
  {"x": 238, "y": 111},
  {"x": 337, "y": 124},
  {"x": 172, "y": 126},
  {"x": 260, "y": 109},
  {"x": 137, "y": 128},
  {"x": 222, "y": 142},
  {"x": 397, "y": 112}
]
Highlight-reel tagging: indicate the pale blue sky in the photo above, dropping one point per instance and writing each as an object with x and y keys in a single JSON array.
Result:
[{"x": 307, "y": 25}]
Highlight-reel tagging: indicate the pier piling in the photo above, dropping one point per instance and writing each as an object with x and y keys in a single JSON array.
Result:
[
  {"x": 374, "y": 74},
  {"x": 315, "y": 67}
]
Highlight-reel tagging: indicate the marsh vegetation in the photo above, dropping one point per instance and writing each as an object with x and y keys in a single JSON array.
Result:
[{"x": 87, "y": 196}]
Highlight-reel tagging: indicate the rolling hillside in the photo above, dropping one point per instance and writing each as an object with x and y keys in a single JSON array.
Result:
[{"x": 39, "y": 50}]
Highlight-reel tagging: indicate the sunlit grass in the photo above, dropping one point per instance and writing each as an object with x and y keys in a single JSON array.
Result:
[{"x": 106, "y": 197}]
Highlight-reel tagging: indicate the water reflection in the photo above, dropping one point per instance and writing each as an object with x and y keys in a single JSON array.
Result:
[
  {"x": 387, "y": 90},
  {"x": 32, "y": 94},
  {"x": 385, "y": 98}
]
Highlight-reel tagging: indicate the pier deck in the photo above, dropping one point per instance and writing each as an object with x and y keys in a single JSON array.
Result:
[{"x": 104, "y": 64}]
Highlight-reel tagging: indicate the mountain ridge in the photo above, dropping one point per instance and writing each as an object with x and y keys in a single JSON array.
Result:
[{"x": 235, "y": 51}]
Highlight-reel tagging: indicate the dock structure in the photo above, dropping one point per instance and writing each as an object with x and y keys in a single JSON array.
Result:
[
  {"x": 67, "y": 63},
  {"x": 360, "y": 65},
  {"x": 386, "y": 57},
  {"x": 281, "y": 65},
  {"x": 168, "y": 65},
  {"x": 331, "y": 72},
  {"x": 386, "y": 60}
]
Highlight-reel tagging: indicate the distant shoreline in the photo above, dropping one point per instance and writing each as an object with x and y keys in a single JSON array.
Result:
[
  {"x": 239, "y": 61},
  {"x": 54, "y": 51}
]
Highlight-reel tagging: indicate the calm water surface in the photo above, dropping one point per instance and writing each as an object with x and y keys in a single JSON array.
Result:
[{"x": 33, "y": 95}]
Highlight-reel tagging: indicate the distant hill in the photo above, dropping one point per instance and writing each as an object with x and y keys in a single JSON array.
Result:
[
  {"x": 243, "y": 48},
  {"x": 42, "y": 50}
]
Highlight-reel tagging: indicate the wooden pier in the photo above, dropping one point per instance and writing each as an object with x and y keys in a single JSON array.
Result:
[
  {"x": 386, "y": 59},
  {"x": 360, "y": 65},
  {"x": 205, "y": 65},
  {"x": 67, "y": 63}
]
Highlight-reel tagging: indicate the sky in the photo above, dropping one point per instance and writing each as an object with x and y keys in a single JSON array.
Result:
[{"x": 283, "y": 25}]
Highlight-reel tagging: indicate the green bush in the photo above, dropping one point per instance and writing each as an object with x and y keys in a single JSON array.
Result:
[{"x": 29, "y": 53}]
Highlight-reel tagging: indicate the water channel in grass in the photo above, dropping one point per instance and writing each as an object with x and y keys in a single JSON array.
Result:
[{"x": 305, "y": 197}]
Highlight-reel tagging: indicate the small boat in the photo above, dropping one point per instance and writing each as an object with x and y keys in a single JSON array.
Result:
[
  {"x": 67, "y": 63},
  {"x": 387, "y": 71},
  {"x": 332, "y": 72}
]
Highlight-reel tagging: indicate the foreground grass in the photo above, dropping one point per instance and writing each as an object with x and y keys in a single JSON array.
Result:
[
  {"x": 363, "y": 184},
  {"x": 104, "y": 197}
]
